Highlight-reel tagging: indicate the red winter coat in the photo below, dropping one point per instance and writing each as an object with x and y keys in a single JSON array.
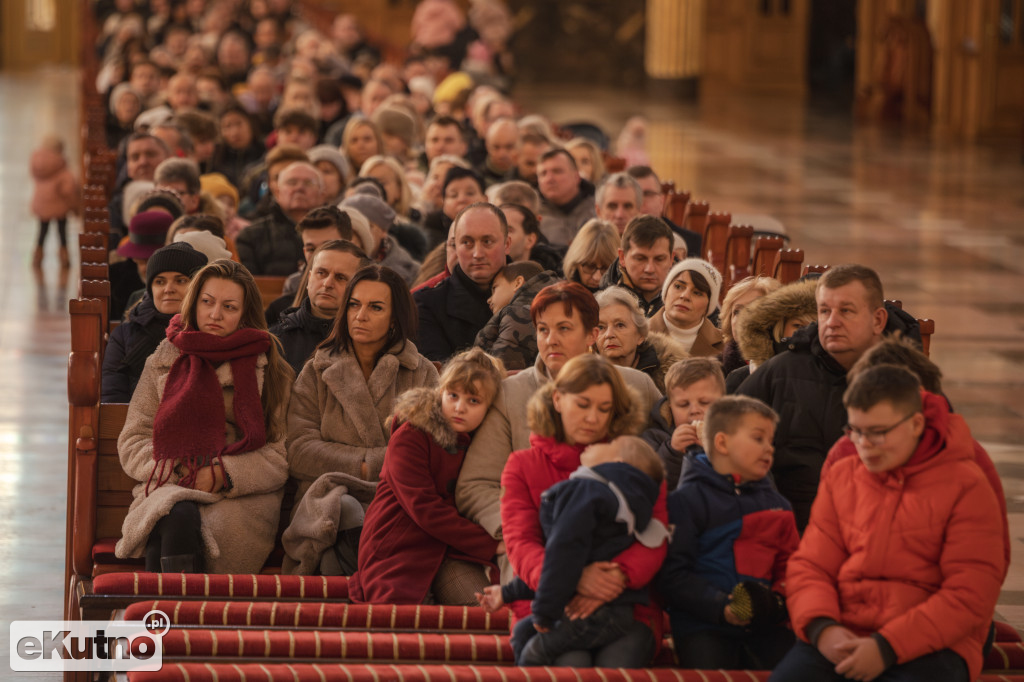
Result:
[
  {"x": 412, "y": 524},
  {"x": 56, "y": 192},
  {"x": 915, "y": 553},
  {"x": 529, "y": 473},
  {"x": 934, "y": 406}
]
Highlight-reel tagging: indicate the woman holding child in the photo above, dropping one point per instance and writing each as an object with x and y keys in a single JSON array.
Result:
[
  {"x": 204, "y": 434},
  {"x": 587, "y": 403},
  {"x": 345, "y": 394}
]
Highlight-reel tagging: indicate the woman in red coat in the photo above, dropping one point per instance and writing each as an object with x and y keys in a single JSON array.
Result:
[
  {"x": 415, "y": 547},
  {"x": 587, "y": 403}
]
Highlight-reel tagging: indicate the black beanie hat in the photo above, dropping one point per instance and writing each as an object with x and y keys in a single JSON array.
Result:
[{"x": 177, "y": 257}]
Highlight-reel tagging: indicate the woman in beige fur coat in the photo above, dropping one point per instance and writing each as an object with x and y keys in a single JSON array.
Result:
[
  {"x": 344, "y": 395},
  {"x": 204, "y": 435}
]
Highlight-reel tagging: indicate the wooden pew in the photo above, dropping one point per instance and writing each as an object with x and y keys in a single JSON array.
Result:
[
  {"x": 788, "y": 268},
  {"x": 93, "y": 254},
  {"x": 767, "y": 252},
  {"x": 927, "y": 329},
  {"x": 270, "y": 288},
  {"x": 100, "y": 271},
  {"x": 98, "y": 289},
  {"x": 808, "y": 269},
  {"x": 676, "y": 206},
  {"x": 737, "y": 255},
  {"x": 697, "y": 217},
  {"x": 716, "y": 240}
]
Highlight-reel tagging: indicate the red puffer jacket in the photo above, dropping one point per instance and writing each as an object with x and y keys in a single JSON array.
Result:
[
  {"x": 527, "y": 474},
  {"x": 936, "y": 407},
  {"x": 915, "y": 553}
]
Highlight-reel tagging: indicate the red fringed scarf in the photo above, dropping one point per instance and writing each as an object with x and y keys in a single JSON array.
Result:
[{"x": 188, "y": 428}]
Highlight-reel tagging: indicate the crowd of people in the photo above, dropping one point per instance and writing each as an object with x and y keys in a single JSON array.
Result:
[{"x": 499, "y": 375}]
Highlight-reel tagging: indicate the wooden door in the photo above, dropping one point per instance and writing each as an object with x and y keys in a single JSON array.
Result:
[
  {"x": 1004, "y": 113},
  {"x": 776, "y": 45},
  {"x": 35, "y": 32}
]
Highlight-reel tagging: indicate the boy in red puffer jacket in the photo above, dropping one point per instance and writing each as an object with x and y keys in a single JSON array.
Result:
[{"x": 899, "y": 570}]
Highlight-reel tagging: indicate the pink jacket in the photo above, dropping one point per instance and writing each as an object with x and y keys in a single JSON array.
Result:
[{"x": 56, "y": 191}]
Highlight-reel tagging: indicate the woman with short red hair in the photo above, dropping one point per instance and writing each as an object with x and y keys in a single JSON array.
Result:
[{"x": 565, "y": 316}]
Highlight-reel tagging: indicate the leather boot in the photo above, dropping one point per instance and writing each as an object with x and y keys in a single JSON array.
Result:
[
  {"x": 179, "y": 563},
  {"x": 37, "y": 257},
  {"x": 65, "y": 261}
]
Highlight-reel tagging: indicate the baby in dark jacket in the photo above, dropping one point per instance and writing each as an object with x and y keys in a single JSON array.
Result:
[{"x": 604, "y": 507}]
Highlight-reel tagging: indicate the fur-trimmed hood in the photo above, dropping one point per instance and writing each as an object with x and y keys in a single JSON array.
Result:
[
  {"x": 656, "y": 354},
  {"x": 754, "y": 326},
  {"x": 421, "y": 407}
]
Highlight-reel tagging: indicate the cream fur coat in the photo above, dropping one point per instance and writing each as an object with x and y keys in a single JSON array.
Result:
[{"x": 238, "y": 525}]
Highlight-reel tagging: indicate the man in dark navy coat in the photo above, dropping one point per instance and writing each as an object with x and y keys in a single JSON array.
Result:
[{"x": 452, "y": 312}]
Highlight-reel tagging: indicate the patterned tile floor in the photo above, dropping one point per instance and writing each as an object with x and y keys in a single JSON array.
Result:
[{"x": 941, "y": 222}]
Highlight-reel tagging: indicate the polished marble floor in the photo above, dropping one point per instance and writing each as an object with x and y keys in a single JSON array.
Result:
[{"x": 943, "y": 223}]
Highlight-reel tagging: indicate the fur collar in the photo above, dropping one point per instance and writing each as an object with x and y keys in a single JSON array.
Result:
[
  {"x": 668, "y": 349},
  {"x": 421, "y": 407},
  {"x": 754, "y": 327}
]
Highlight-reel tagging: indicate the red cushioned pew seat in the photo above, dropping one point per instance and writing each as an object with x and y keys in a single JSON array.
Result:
[
  {"x": 320, "y": 672},
  {"x": 278, "y": 672},
  {"x": 1006, "y": 633},
  {"x": 311, "y": 646},
  {"x": 325, "y": 615},
  {"x": 114, "y": 591},
  {"x": 239, "y": 586}
]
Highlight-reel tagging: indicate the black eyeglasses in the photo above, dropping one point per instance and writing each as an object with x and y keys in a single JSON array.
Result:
[
  {"x": 874, "y": 436},
  {"x": 588, "y": 269}
]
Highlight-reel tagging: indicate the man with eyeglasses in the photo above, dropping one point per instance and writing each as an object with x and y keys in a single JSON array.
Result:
[
  {"x": 909, "y": 534},
  {"x": 270, "y": 245},
  {"x": 805, "y": 383}
]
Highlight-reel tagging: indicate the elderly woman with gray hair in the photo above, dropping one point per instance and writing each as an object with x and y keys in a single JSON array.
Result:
[{"x": 625, "y": 338}]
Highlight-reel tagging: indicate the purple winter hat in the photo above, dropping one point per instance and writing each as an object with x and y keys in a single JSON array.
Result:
[{"x": 147, "y": 232}]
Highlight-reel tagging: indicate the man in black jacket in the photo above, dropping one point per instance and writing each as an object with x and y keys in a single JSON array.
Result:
[
  {"x": 270, "y": 245},
  {"x": 455, "y": 310},
  {"x": 301, "y": 329},
  {"x": 805, "y": 384}
]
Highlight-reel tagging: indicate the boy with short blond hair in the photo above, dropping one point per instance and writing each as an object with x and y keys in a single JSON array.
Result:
[
  {"x": 691, "y": 385},
  {"x": 900, "y": 568},
  {"x": 722, "y": 581}
]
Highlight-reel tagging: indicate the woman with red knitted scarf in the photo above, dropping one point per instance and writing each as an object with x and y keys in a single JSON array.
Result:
[{"x": 204, "y": 435}]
